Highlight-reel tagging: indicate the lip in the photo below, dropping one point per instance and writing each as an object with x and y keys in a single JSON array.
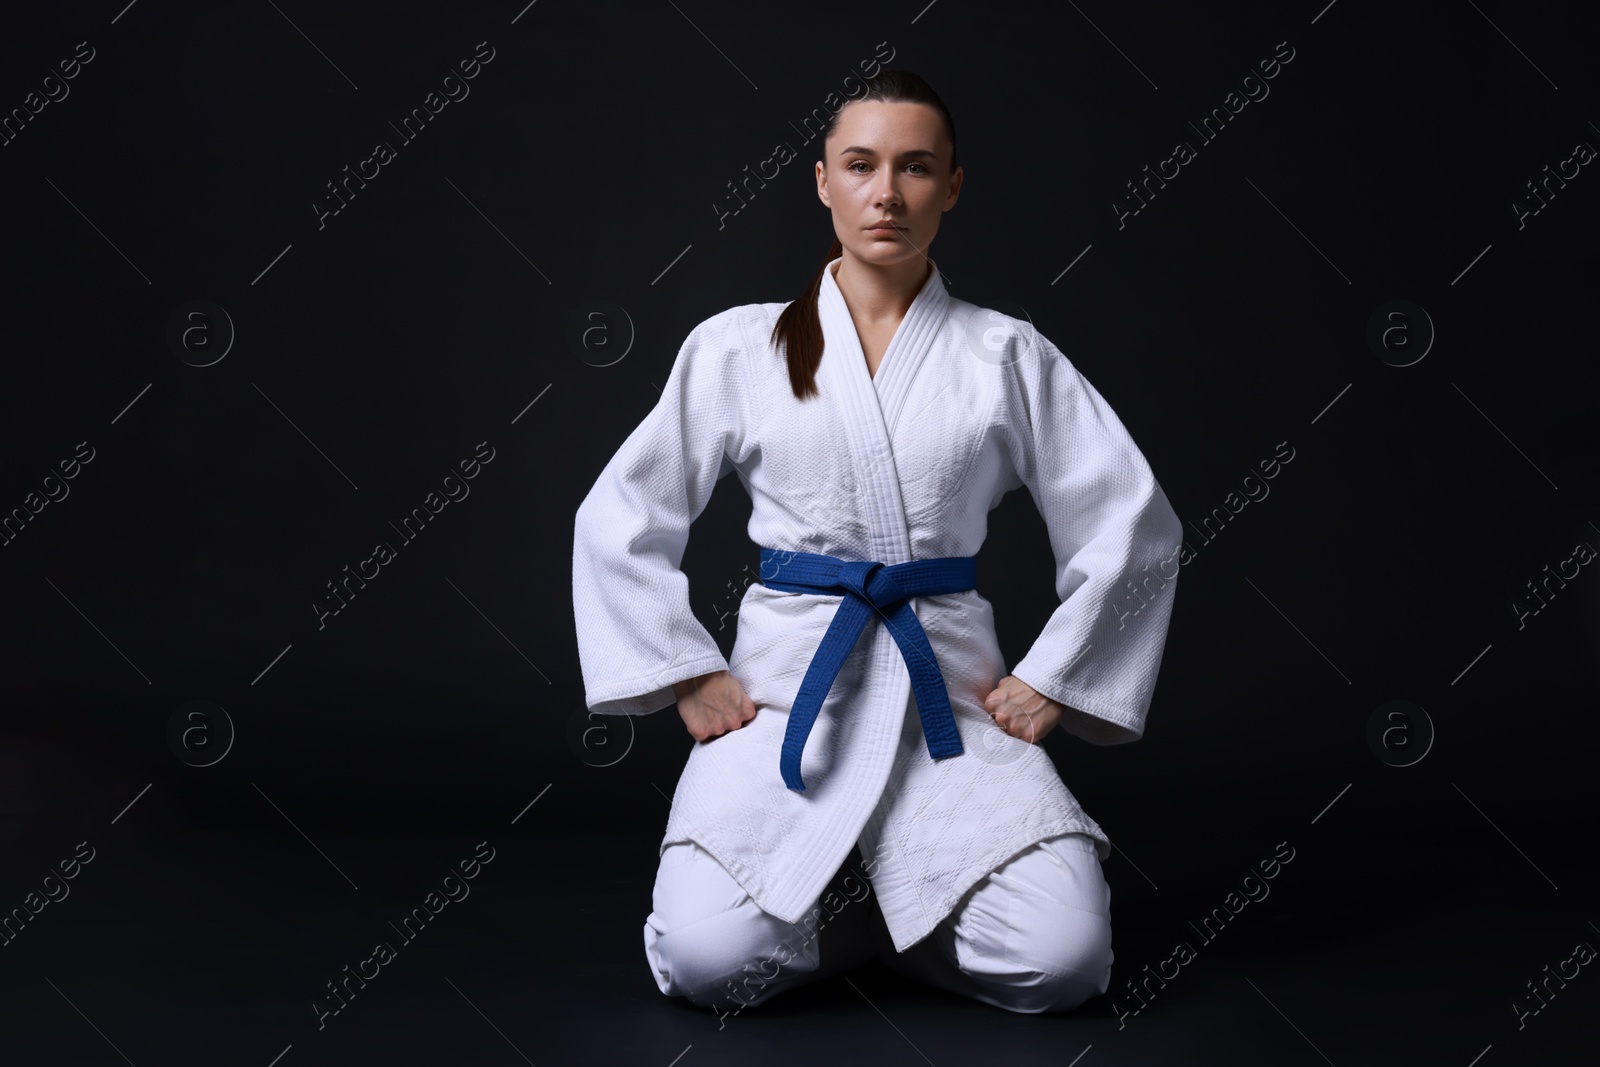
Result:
[{"x": 885, "y": 227}]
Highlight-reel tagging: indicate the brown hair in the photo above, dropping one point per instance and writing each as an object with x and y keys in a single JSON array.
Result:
[{"x": 799, "y": 328}]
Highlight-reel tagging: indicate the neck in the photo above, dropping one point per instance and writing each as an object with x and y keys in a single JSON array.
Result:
[{"x": 881, "y": 293}]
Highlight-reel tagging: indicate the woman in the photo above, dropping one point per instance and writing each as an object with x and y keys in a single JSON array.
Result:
[{"x": 865, "y": 706}]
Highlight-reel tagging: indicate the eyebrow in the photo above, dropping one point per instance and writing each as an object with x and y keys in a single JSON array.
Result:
[{"x": 858, "y": 150}]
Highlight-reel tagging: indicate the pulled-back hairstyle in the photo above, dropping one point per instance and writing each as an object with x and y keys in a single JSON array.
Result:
[{"x": 799, "y": 328}]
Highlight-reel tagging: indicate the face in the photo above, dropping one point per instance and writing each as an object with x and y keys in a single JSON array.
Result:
[{"x": 887, "y": 161}]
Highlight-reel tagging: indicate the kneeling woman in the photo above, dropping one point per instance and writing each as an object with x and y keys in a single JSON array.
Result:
[{"x": 850, "y": 743}]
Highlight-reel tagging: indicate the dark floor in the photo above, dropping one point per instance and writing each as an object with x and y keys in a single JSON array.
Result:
[{"x": 182, "y": 942}]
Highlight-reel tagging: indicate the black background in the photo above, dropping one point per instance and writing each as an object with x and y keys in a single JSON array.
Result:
[{"x": 434, "y": 312}]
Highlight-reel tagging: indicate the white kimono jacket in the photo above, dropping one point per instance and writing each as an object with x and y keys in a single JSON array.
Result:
[{"x": 966, "y": 405}]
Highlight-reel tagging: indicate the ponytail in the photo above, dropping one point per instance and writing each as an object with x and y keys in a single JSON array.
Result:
[{"x": 799, "y": 331}]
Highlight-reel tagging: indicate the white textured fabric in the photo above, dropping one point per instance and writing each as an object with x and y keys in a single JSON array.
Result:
[
  {"x": 967, "y": 404},
  {"x": 1033, "y": 936}
]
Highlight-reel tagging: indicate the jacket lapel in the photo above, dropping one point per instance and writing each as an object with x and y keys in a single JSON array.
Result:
[
  {"x": 908, "y": 349},
  {"x": 871, "y": 403}
]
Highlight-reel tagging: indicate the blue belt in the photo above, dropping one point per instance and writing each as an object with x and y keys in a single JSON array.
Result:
[{"x": 869, "y": 589}]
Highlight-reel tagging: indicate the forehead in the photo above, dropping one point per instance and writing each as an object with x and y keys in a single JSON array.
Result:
[{"x": 888, "y": 126}]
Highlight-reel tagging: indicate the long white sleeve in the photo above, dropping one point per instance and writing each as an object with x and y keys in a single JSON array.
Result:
[
  {"x": 1116, "y": 541},
  {"x": 636, "y": 632}
]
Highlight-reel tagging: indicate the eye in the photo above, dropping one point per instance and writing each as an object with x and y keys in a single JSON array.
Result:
[
  {"x": 858, "y": 163},
  {"x": 924, "y": 169}
]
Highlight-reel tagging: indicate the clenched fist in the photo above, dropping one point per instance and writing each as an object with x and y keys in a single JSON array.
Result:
[
  {"x": 1021, "y": 710},
  {"x": 713, "y": 704}
]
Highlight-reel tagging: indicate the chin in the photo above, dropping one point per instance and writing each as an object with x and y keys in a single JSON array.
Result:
[{"x": 885, "y": 249}]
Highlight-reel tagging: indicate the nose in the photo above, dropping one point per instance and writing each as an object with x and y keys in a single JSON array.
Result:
[{"x": 886, "y": 189}]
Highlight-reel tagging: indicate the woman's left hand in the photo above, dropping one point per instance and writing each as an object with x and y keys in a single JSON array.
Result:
[{"x": 1021, "y": 710}]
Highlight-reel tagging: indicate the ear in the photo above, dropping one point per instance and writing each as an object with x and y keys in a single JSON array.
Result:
[
  {"x": 822, "y": 184},
  {"x": 955, "y": 188}
]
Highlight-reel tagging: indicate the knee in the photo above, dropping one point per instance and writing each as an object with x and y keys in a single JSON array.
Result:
[
  {"x": 1045, "y": 936},
  {"x": 1064, "y": 965},
  {"x": 716, "y": 962}
]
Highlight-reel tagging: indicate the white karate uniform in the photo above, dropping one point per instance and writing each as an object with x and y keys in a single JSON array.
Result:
[
  {"x": 1033, "y": 936},
  {"x": 966, "y": 405}
]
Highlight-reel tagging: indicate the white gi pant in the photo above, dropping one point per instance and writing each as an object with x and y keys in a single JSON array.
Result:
[{"x": 1031, "y": 936}]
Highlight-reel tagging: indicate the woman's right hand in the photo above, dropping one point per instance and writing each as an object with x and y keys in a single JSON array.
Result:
[{"x": 713, "y": 704}]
